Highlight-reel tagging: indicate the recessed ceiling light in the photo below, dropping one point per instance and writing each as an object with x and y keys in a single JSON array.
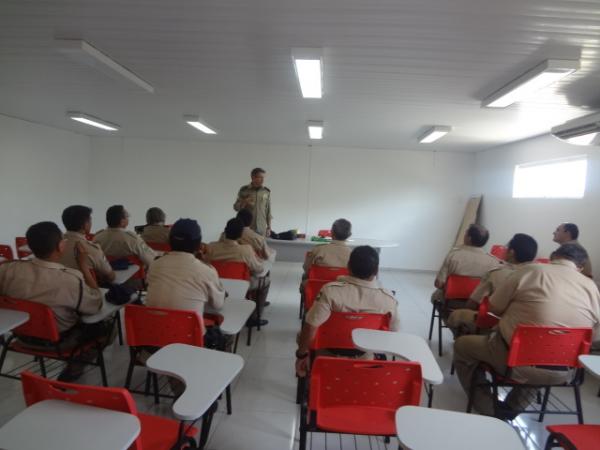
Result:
[
  {"x": 195, "y": 122},
  {"x": 541, "y": 76},
  {"x": 308, "y": 63},
  {"x": 315, "y": 129},
  {"x": 434, "y": 133},
  {"x": 92, "y": 121}
]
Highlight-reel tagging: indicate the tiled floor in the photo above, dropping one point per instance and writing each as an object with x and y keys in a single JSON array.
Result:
[{"x": 265, "y": 416}]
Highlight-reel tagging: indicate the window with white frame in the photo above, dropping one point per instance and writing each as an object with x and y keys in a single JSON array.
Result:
[{"x": 558, "y": 178}]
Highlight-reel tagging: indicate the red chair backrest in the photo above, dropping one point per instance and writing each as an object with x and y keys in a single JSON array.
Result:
[
  {"x": 337, "y": 382},
  {"x": 90, "y": 236},
  {"x": 20, "y": 242},
  {"x": 41, "y": 323},
  {"x": 542, "y": 260},
  {"x": 6, "y": 253},
  {"x": 233, "y": 270},
  {"x": 158, "y": 327},
  {"x": 499, "y": 251},
  {"x": 484, "y": 320},
  {"x": 336, "y": 332},
  {"x": 37, "y": 389},
  {"x": 548, "y": 346},
  {"x": 324, "y": 233},
  {"x": 326, "y": 273},
  {"x": 460, "y": 287},
  {"x": 311, "y": 290},
  {"x": 159, "y": 246}
]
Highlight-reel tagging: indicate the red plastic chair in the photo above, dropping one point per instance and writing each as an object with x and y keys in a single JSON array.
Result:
[
  {"x": 90, "y": 236},
  {"x": 159, "y": 246},
  {"x": 551, "y": 347},
  {"x": 458, "y": 287},
  {"x": 336, "y": 332},
  {"x": 358, "y": 397},
  {"x": 499, "y": 251},
  {"x": 22, "y": 242},
  {"x": 542, "y": 260},
  {"x": 484, "y": 319},
  {"x": 324, "y": 233},
  {"x": 42, "y": 325},
  {"x": 156, "y": 432},
  {"x": 326, "y": 273},
  {"x": 6, "y": 253},
  {"x": 573, "y": 437},
  {"x": 233, "y": 270},
  {"x": 311, "y": 290}
]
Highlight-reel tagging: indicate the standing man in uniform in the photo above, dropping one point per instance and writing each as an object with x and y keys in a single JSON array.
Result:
[
  {"x": 567, "y": 233},
  {"x": 256, "y": 198}
]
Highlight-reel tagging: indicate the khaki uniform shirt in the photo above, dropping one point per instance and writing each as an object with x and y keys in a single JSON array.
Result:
[
  {"x": 553, "y": 294},
  {"x": 179, "y": 280},
  {"x": 52, "y": 284},
  {"x": 120, "y": 243},
  {"x": 256, "y": 241},
  {"x": 96, "y": 258},
  {"x": 468, "y": 261},
  {"x": 490, "y": 282},
  {"x": 228, "y": 250},
  {"x": 334, "y": 254},
  {"x": 350, "y": 294},
  {"x": 158, "y": 234},
  {"x": 259, "y": 202},
  {"x": 587, "y": 266}
]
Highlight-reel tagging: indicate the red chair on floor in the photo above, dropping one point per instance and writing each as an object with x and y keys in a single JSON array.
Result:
[
  {"x": 21, "y": 245},
  {"x": 350, "y": 396},
  {"x": 311, "y": 290},
  {"x": 457, "y": 288},
  {"x": 326, "y": 273},
  {"x": 485, "y": 320},
  {"x": 42, "y": 326},
  {"x": 573, "y": 437},
  {"x": 6, "y": 253},
  {"x": 156, "y": 433},
  {"x": 556, "y": 348},
  {"x": 233, "y": 270},
  {"x": 499, "y": 251},
  {"x": 160, "y": 246}
]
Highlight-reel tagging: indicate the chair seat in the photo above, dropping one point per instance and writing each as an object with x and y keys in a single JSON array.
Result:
[
  {"x": 160, "y": 433},
  {"x": 357, "y": 420},
  {"x": 582, "y": 437}
]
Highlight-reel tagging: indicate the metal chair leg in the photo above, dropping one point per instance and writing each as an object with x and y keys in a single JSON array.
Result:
[
  {"x": 132, "y": 356},
  {"x": 155, "y": 388},
  {"x": 431, "y": 322},
  {"x": 228, "y": 399},
  {"x": 544, "y": 404},
  {"x": 100, "y": 362},
  {"x": 42, "y": 366},
  {"x": 578, "y": 404}
]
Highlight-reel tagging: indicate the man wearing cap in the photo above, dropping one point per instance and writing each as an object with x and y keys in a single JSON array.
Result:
[{"x": 256, "y": 198}]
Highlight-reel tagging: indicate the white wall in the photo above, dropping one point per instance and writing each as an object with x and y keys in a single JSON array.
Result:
[
  {"x": 415, "y": 198},
  {"x": 42, "y": 170},
  {"x": 505, "y": 216}
]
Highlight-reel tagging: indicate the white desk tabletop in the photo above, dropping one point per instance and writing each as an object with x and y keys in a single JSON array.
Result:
[
  {"x": 121, "y": 276},
  {"x": 591, "y": 363},
  {"x": 10, "y": 319},
  {"x": 352, "y": 242},
  {"x": 206, "y": 373},
  {"x": 60, "y": 425},
  {"x": 235, "y": 314},
  {"x": 407, "y": 346},
  {"x": 420, "y": 428},
  {"x": 236, "y": 289},
  {"x": 107, "y": 309}
]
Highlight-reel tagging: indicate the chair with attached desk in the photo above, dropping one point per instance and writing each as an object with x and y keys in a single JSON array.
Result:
[
  {"x": 458, "y": 288},
  {"x": 22, "y": 247},
  {"x": 573, "y": 437},
  {"x": 350, "y": 396},
  {"x": 556, "y": 348},
  {"x": 317, "y": 272},
  {"x": 311, "y": 290},
  {"x": 157, "y": 433},
  {"x": 6, "y": 253},
  {"x": 42, "y": 328},
  {"x": 485, "y": 319}
]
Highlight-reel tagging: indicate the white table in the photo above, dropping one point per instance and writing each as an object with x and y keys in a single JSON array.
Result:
[
  {"x": 421, "y": 428},
  {"x": 107, "y": 309},
  {"x": 404, "y": 345},
  {"x": 121, "y": 276},
  {"x": 236, "y": 289},
  {"x": 235, "y": 314},
  {"x": 60, "y": 425},
  {"x": 10, "y": 319},
  {"x": 295, "y": 251},
  {"x": 591, "y": 363}
]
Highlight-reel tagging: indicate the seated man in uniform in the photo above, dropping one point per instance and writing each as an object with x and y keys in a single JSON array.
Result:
[
  {"x": 568, "y": 233},
  {"x": 117, "y": 242},
  {"x": 252, "y": 238},
  {"x": 555, "y": 294},
  {"x": 78, "y": 222},
  {"x": 155, "y": 230},
  {"x": 333, "y": 254},
  {"x": 522, "y": 249},
  {"x": 359, "y": 292},
  {"x": 68, "y": 292}
]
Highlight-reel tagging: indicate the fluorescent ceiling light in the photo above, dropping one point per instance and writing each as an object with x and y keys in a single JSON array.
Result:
[
  {"x": 196, "y": 123},
  {"x": 315, "y": 129},
  {"x": 308, "y": 63},
  {"x": 83, "y": 52},
  {"x": 541, "y": 76},
  {"x": 434, "y": 133},
  {"x": 93, "y": 121}
]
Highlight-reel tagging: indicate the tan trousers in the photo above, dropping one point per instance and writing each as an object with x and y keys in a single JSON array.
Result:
[
  {"x": 462, "y": 321},
  {"x": 469, "y": 351}
]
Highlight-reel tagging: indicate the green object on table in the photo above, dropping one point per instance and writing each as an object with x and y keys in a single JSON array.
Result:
[{"x": 319, "y": 239}]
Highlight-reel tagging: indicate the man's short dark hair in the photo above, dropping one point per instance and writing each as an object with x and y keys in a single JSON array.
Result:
[
  {"x": 257, "y": 171},
  {"x": 572, "y": 252},
  {"x": 246, "y": 216},
  {"x": 341, "y": 229},
  {"x": 114, "y": 215},
  {"x": 524, "y": 247},
  {"x": 234, "y": 229},
  {"x": 155, "y": 215},
  {"x": 363, "y": 262},
  {"x": 572, "y": 229},
  {"x": 74, "y": 217},
  {"x": 43, "y": 238},
  {"x": 479, "y": 235}
]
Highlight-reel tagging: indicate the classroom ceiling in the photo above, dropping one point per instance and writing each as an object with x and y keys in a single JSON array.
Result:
[{"x": 391, "y": 67}]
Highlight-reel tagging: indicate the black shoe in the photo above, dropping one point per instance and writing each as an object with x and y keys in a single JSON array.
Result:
[
  {"x": 254, "y": 322},
  {"x": 266, "y": 304},
  {"x": 505, "y": 412},
  {"x": 71, "y": 373}
]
